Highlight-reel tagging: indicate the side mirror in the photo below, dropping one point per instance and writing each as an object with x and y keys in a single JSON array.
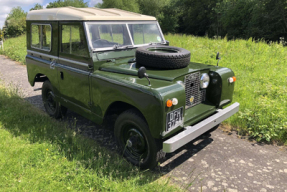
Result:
[
  {"x": 218, "y": 56},
  {"x": 142, "y": 73},
  {"x": 167, "y": 42}
]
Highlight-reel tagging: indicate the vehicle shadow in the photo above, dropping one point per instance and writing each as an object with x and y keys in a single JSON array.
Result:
[
  {"x": 101, "y": 134},
  {"x": 175, "y": 159},
  {"x": 104, "y": 136}
]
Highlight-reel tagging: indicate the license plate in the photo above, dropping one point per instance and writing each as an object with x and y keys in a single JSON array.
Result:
[{"x": 174, "y": 119}]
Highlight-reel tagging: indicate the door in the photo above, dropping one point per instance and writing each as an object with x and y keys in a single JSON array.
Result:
[{"x": 73, "y": 66}]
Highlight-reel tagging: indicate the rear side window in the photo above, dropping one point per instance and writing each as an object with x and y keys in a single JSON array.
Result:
[
  {"x": 72, "y": 41},
  {"x": 41, "y": 36}
]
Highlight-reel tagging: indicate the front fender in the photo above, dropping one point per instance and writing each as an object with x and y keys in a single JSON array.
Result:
[
  {"x": 227, "y": 88},
  {"x": 108, "y": 88}
]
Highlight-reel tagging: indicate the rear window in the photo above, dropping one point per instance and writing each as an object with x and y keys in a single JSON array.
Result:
[{"x": 41, "y": 36}]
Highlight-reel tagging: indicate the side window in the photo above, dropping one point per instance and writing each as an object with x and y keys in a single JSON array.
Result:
[
  {"x": 46, "y": 34},
  {"x": 41, "y": 36},
  {"x": 72, "y": 41},
  {"x": 35, "y": 31}
]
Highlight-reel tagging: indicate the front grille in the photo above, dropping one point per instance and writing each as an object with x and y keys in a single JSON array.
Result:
[{"x": 192, "y": 90}]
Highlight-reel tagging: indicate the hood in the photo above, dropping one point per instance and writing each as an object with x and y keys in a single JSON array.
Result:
[{"x": 122, "y": 66}]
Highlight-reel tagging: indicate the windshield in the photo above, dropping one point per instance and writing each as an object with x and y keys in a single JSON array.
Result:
[
  {"x": 114, "y": 36},
  {"x": 145, "y": 33},
  {"x": 105, "y": 35}
]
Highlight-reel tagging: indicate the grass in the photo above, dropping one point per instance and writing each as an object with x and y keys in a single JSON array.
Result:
[
  {"x": 15, "y": 48},
  {"x": 261, "y": 87},
  {"x": 261, "y": 74},
  {"x": 38, "y": 153}
]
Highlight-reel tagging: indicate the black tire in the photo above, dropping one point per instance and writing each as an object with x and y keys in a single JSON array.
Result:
[
  {"x": 52, "y": 107},
  {"x": 162, "y": 57},
  {"x": 145, "y": 150}
]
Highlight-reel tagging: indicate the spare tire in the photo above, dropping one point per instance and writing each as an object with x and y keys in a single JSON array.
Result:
[{"x": 162, "y": 57}]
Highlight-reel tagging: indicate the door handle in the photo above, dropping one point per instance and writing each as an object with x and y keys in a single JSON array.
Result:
[{"x": 62, "y": 75}]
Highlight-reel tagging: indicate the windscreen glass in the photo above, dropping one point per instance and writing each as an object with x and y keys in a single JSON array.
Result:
[
  {"x": 145, "y": 33},
  {"x": 109, "y": 35}
]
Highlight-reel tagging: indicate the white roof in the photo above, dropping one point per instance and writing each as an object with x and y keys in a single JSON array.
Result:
[{"x": 84, "y": 14}]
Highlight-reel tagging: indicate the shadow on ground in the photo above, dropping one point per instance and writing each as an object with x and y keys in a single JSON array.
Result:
[{"x": 104, "y": 136}]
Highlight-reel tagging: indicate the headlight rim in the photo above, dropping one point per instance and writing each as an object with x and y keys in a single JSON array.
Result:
[{"x": 204, "y": 80}]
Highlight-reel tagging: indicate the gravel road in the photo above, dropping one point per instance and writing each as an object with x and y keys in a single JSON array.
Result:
[{"x": 218, "y": 161}]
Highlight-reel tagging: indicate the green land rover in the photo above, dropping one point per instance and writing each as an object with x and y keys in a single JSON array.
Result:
[{"x": 98, "y": 62}]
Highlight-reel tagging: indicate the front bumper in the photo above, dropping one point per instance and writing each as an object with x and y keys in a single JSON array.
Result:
[{"x": 192, "y": 132}]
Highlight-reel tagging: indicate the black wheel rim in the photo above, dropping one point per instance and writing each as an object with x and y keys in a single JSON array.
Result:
[
  {"x": 51, "y": 104},
  {"x": 136, "y": 148}
]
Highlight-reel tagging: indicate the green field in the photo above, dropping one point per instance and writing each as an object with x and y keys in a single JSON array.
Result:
[
  {"x": 15, "y": 48},
  {"x": 38, "y": 153},
  {"x": 261, "y": 74},
  {"x": 261, "y": 86}
]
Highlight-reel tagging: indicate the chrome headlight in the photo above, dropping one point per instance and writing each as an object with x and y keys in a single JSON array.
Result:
[{"x": 204, "y": 80}]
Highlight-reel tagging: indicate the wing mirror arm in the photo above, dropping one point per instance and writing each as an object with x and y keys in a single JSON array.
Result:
[
  {"x": 218, "y": 58},
  {"x": 142, "y": 73}
]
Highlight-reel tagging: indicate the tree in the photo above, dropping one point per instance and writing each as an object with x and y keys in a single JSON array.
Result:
[
  {"x": 152, "y": 7},
  {"x": 15, "y": 22},
  {"x": 171, "y": 13},
  {"x": 162, "y": 10},
  {"x": 128, "y": 5},
  {"x": 66, "y": 3},
  {"x": 236, "y": 17},
  {"x": 269, "y": 20},
  {"x": 98, "y": 5},
  {"x": 37, "y": 6},
  {"x": 1, "y": 35},
  {"x": 197, "y": 16},
  {"x": 166, "y": 11}
]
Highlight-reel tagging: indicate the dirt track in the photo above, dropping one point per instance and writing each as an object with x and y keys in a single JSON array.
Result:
[{"x": 215, "y": 162}]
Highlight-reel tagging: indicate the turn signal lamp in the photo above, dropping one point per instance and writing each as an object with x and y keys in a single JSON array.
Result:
[
  {"x": 232, "y": 79},
  {"x": 169, "y": 103}
]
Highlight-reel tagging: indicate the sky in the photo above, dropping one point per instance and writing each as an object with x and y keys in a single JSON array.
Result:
[{"x": 7, "y": 5}]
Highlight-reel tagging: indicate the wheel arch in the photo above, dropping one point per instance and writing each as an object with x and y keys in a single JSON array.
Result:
[
  {"x": 39, "y": 77},
  {"x": 119, "y": 107}
]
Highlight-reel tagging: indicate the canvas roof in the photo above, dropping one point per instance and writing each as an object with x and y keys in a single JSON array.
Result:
[{"x": 84, "y": 14}]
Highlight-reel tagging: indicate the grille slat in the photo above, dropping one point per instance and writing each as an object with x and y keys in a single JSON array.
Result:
[{"x": 192, "y": 89}]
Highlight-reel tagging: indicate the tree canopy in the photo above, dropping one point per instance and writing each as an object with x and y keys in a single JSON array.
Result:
[
  {"x": 15, "y": 22},
  {"x": 128, "y": 5},
  {"x": 66, "y": 3},
  {"x": 257, "y": 19},
  {"x": 37, "y": 6}
]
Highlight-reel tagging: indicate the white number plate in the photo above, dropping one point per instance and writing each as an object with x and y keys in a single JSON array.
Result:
[{"x": 174, "y": 119}]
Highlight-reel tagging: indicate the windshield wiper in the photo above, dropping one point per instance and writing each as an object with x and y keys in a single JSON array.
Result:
[
  {"x": 123, "y": 47},
  {"x": 152, "y": 43}
]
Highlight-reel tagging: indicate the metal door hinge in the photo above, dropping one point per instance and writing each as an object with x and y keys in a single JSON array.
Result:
[{"x": 52, "y": 64}]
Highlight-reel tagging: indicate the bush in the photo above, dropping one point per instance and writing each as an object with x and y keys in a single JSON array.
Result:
[{"x": 15, "y": 22}]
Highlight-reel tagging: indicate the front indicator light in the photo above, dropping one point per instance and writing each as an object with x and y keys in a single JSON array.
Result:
[
  {"x": 169, "y": 103},
  {"x": 232, "y": 79}
]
